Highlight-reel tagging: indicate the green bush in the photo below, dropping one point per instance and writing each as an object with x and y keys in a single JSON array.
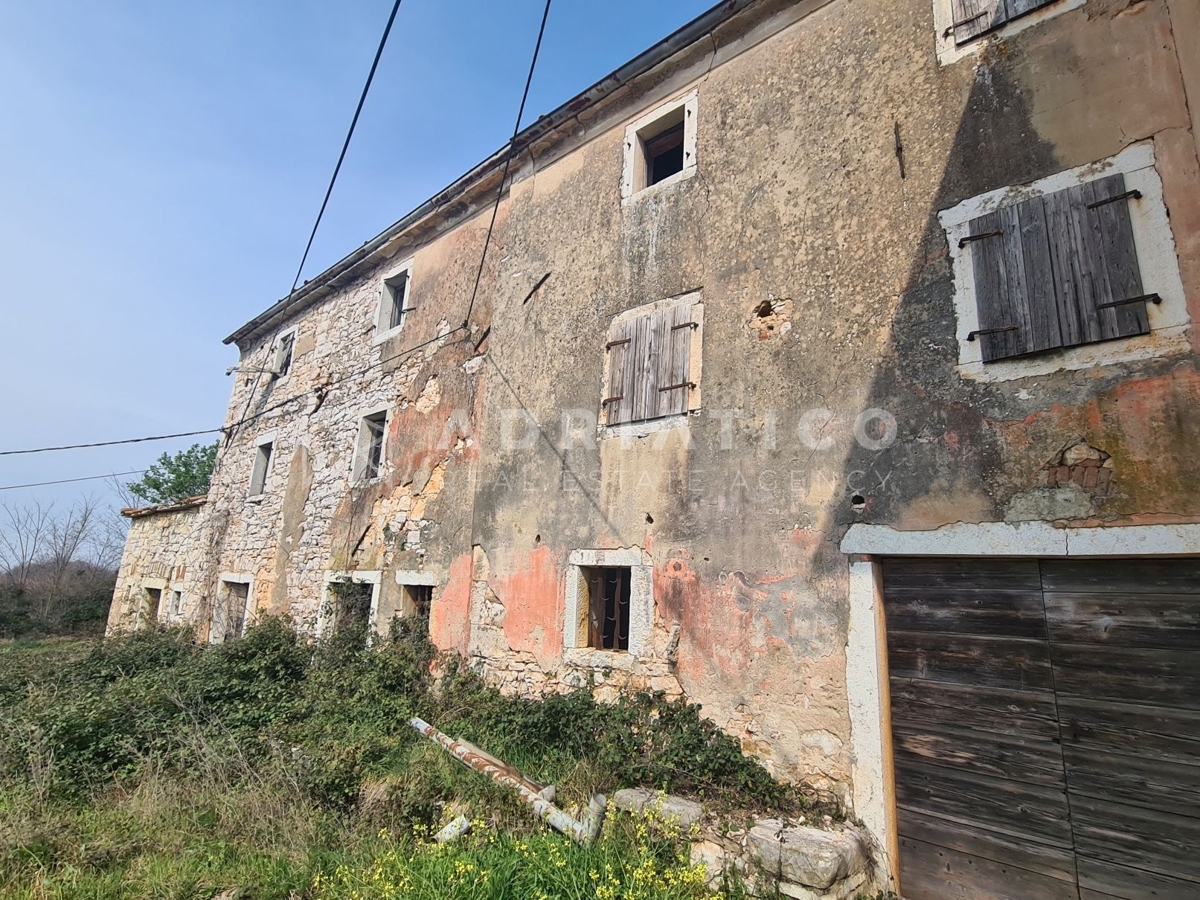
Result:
[{"x": 151, "y": 755}]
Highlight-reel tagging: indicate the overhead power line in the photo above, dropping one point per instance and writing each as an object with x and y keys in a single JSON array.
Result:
[
  {"x": 362, "y": 99},
  {"x": 322, "y": 389},
  {"x": 537, "y": 48},
  {"x": 13, "y": 487},
  {"x": 139, "y": 440}
]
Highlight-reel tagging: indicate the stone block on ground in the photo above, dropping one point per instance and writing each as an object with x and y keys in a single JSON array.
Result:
[
  {"x": 660, "y": 806},
  {"x": 808, "y": 857}
]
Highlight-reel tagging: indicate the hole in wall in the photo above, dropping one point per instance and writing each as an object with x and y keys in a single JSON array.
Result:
[
  {"x": 537, "y": 539},
  {"x": 649, "y": 519},
  {"x": 765, "y": 310},
  {"x": 858, "y": 502}
]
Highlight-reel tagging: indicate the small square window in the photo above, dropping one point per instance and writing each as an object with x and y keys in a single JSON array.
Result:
[
  {"x": 284, "y": 349},
  {"x": 176, "y": 609},
  {"x": 660, "y": 147},
  {"x": 369, "y": 457},
  {"x": 262, "y": 466},
  {"x": 418, "y": 600},
  {"x": 608, "y": 589}
]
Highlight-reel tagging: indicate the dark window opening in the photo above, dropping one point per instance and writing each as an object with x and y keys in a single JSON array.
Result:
[
  {"x": 235, "y": 609},
  {"x": 352, "y": 605},
  {"x": 283, "y": 355},
  {"x": 608, "y": 617},
  {"x": 262, "y": 465},
  {"x": 664, "y": 154},
  {"x": 373, "y": 451},
  {"x": 397, "y": 294},
  {"x": 421, "y": 598},
  {"x": 153, "y": 602}
]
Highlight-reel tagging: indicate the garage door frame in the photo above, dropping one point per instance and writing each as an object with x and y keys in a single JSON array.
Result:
[{"x": 874, "y": 792}]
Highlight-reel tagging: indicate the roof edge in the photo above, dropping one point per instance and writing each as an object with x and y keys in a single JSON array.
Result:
[
  {"x": 143, "y": 512},
  {"x": 682, "y": 38}
]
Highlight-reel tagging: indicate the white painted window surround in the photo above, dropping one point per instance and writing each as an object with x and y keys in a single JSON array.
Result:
[
  {"x": 943, "y": 20},
  {"x": 383, "y": 313},
  {"x": 285, "y": 353},
  {"x": 641, "y": 607},
  {"x": 633, "y": 176},
  {"x": 217, "y": 626},
  {"x": 260, "y": 472},
  {"x": 1157, "y": 258},
  {"x": 866, "y": 645},
  {"x": 363, "y": 443}
]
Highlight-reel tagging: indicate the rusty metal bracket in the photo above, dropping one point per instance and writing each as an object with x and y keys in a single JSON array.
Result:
[
  {"x": 675, "y": 387},
  {"x": 949, "y": 31},
  {"x": 970, "y": 239},
  {"x": 1134, "y": 194},
  {"x": 612, "y": 344},
  {"x": 609, "y": 400},
  {"x": 685, "y": 325},
  {"x": 1145, "y": 298},
  {"x": 978, "y": 331}
]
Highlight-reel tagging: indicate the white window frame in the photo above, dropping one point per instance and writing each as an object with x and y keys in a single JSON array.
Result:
[
  {"x": 277, "y": 360},
  {"x": 633, "y": 178},
  {"x": 175, "y": 610},
  {"x": 641, "y": 607},
  {"x": 949, "y": 52},
  {"x": 217, "y": 635},
  {"x": 265, "y": 440},
  {"x": 644, "y": 427},
  {"x": 383, "y": 314},
  {"x": 325, "y": 615},
  {"x": 362, "y": 445},
  {"x": 1157, "y": 259}
]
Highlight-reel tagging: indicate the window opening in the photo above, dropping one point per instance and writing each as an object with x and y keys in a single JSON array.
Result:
[{"x": 608, "y": 594}]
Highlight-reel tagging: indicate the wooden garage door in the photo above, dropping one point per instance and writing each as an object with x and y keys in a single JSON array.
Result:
[{"x": 1046, "y": 727}]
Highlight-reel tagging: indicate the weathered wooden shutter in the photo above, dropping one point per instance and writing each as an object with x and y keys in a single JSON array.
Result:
[
  {"x": 1018, "y": 8},
  {"x": 675, "y": 385},
  {"x": 974, "y": 17},
  {"x": 1014, "y": 285},
  {"x": 1095, "y": 262},
  {"x": 1057, "y": 271},
  {"x": 618, "y": 397}
]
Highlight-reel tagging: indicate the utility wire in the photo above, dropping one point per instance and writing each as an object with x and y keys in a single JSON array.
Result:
[
  {"x": 387, "y": 30},
  {"x": 320, "y": 389},
  {"x": 13, "y": 487},
  {"x": 508, "y": 161},
  {"x": 160, "y": 437}
]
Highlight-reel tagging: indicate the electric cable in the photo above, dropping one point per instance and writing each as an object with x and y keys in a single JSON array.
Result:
[
  {"x": 13, "y": 487},
  {"x": 507, "y": 162}
]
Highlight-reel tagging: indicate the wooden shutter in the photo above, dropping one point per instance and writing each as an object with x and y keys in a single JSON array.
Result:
[
  {"x": 1095, "y": 262},
  {"x": 974, "y": 17},
  {"x": 675, "y": 385},
  {"x": 1017, "y": 8},
  {"x": 1013, "y": 282},
  {"x": 1047, "y": 269},
  {"x": 618, "y": 397}
]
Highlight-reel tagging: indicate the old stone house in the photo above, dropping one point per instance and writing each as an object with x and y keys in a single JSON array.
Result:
[{"x": 833, "y": 366}]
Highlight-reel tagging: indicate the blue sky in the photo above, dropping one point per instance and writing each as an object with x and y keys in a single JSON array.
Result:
[{"x": 161, "y": 165}]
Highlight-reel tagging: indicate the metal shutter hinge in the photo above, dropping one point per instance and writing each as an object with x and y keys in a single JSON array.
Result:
[
  {"x": 978, "y": 237},
  {"x": 1146, "y": 298},
  {"x": 1135, "y": 194},
  {"x": 978, "y": 331}
]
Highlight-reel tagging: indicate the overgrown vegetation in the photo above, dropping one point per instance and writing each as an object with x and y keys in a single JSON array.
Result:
[{"x": 145, "y": 766}]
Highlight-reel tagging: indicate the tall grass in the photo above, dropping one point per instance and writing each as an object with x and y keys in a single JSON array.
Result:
[{"x": 148, "y": 766}]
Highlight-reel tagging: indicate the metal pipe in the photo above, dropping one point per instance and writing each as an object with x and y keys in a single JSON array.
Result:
[{"x": 543, "y": 808}]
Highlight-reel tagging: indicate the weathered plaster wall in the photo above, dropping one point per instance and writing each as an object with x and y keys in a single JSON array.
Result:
[{"x": 799, "y": 201}]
